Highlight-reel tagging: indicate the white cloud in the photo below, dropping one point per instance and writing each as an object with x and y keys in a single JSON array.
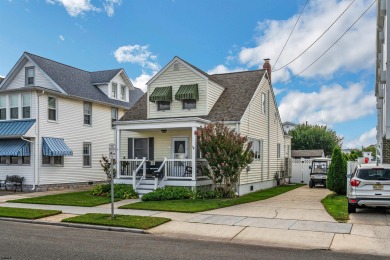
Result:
[
  {"x": 109, "y": 6},
  {"x": 219, "y": 69},
  {"x": 277, "y": 91},
  {"x": 61, "y": 38},
  {"x": 365, "y": 140},
  {"x": 332, "y": 104},
  {"x": 352, "y": 53},
  {"x": 1, "y": 76},
  {"x": 140, "y": 81},
  {"x": 76, "y": 7},
  {"x": 137, "y": 54}
]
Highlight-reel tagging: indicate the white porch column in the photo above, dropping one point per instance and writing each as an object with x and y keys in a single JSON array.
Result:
[
  {"x": 118, "y": 152},
  {"x": 194, "y": 147}
]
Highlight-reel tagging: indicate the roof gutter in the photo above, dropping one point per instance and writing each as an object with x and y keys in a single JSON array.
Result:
[{"x": 164, "y": 120}]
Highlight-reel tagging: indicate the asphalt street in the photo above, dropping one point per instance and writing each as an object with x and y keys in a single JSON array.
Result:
[{"x": 33, "y": 241}]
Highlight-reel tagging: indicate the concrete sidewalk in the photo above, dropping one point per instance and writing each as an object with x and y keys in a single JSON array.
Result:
[{"x": 295, "y": 219}]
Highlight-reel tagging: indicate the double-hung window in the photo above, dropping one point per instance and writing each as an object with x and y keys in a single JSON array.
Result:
[
  {"x": 123, "y": 92},
  {"x": 87, "y": 113},
  {"x": 14, "y": 106},
  {"x": 26, "y": 105},
  {"x": 141, "y": 148},
  {"x": 3, "y": 108},
  {"x": 87, "y": 155},
  {"x": 278, "y": 151},
  {"x": 52, "y": 109},
  {"x": 30, "y": 76},
  {"x": 256, "y": 148},
  {"x": 114, "y": 90},
  {"x": 114, "y": 115}
]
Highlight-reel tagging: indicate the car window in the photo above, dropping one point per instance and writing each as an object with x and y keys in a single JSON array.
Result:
[{"x": 374, "y": 174}]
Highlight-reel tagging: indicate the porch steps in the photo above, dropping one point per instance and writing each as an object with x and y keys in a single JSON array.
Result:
[{"x": 145, "y": 186}]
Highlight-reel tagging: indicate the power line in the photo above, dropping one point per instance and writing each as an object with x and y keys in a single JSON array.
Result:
[
  {"x": 291, "y": 32},
  {"x": 315, "y": 40},
  {"x": 296, "y": 75}
]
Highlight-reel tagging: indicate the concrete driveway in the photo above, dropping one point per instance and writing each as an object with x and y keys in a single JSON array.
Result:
[{"x": 294, "y": 219}]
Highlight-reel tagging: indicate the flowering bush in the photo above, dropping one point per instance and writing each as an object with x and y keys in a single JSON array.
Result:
[{"x": 227, "y": 154}]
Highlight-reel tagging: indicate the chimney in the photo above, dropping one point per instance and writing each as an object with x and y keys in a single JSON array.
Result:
[{"x": 267, "y": 66}]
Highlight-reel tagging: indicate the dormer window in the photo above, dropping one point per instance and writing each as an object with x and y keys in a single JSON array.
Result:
[
  {"x": 123, "y": 92},
  {"x": 189, "y": 103},
  {"x": 114, "y": 90},
  {"x": 30, "y": 76}
]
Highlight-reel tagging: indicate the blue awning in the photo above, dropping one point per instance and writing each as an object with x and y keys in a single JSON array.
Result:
[
  {"x": 55, "y": 147},
  {"x": 15, "y": 127},
  {"x": 14, "y": 147}
]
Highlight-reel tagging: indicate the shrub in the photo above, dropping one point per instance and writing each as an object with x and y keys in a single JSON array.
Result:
[
  {"x": 121, "y": 191},
  {"x": 207, "y": 194},
  {"x": 337, "y": 179},
  {"x": 227, "y": 153},
  {"x": 168, "y": 193}
]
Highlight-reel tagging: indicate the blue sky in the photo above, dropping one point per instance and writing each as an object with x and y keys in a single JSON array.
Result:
[{"x": 217, "y": 36}]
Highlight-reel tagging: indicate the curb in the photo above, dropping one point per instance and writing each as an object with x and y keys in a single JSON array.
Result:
[{"x": 76, "y": 225}]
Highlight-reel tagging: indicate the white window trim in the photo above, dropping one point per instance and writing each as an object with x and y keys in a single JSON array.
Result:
[
  {"x": 20, "y": 161},
  {"x": 18, "y": 106},
  {"x": 23, "y": 106},
  {"x": 90, "y": 124},
  {"x": 260, "y": 142},
  {"x": 56, "y": 109},
  {"x": 117, "y": 116},
  {"x": 5, "y": 107},
  {"x": 147, "y": 146},
  {"x": 278, "y": 150},
  {"x": 163, "y": 110},
  {"x": 116, "y": 91},
  {"x": 51, "y": 164},
  {"x": 122, "y": 86},
  {"x": 263, "y": 103},
  {"x": 188, "y": 108},
  {"x": 26, "y": 76}
]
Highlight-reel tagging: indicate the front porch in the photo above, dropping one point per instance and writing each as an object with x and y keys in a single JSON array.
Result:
[{"x": 159, "y": 153}]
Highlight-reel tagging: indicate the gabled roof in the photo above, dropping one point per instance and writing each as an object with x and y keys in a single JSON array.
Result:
[
  {"x": 135, "y": 95},
  {"x": 1, "y": 79},
  {"x": 76, "y": 82},
  {"x": 307, "y": 153},
  {"x": 239, "y": 86}
]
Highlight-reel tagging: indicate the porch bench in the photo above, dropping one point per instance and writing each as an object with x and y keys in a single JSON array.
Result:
[{"x": 14, "y": 180}]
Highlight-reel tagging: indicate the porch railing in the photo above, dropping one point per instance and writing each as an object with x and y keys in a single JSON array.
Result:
[{"x": 129, "y": 165}]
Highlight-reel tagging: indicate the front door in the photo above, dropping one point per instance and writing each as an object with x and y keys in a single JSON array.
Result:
[{"x": 179, "y": 151}]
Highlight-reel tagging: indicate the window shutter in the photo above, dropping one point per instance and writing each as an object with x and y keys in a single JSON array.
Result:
[
  {"x": 130, "y": 148},
  {"x": 151, "y": 148}
]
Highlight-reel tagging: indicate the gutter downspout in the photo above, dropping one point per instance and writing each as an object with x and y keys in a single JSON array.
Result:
[
  {"x": 36, "y": 177},
  {"x": 269, "y": 137}
]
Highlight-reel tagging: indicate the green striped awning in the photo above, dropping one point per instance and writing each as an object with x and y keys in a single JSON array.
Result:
[
  {"x": 187, "y": 92},
  {"x": 161, "y": 94}
]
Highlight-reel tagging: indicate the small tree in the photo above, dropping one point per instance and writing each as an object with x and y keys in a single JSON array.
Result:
[
  {"x": 227, "y": 154},
  {"x": 105, "y": 162},
  {"x": 337, "y": 179}
]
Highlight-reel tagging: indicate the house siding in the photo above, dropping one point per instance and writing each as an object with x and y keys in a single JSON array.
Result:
[
  {"x": 254, "y": 124},
  {"x": 70, "y": 127},
  {"x": 183, "y": 76},
  {"x": 40, "y": 79},
  {"x": 213, "y": 93}
]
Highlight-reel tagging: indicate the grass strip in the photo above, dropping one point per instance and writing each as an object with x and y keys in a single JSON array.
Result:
[
  {"x": 139, "y": 222},
  {"x": 8, "y": 212},
  {"x": 337, "y": 207},
  {"x": 198, "y": 205},
  {"x": 82, "y": 199}
]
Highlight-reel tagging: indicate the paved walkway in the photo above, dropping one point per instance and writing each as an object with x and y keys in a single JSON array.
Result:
[{"x": 294, "y": 219}]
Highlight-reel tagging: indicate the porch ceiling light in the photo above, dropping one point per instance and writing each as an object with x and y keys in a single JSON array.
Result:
[{"x": 163, "y": 131}]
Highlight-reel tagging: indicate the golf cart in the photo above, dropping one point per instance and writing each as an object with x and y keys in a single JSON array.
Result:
[{"x": 318, "y": 171}]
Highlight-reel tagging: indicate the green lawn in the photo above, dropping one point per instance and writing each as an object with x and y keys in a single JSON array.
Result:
[
  {"x": 337, "y": 207},
  {"x": 82, "y": 199},
  {"x": 139, "y": 222},
  {"x": 198, "y": 205},
  {"x": 26, "y": 213}
]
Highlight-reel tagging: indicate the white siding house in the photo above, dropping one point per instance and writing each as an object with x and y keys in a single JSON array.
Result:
[
  {"x": 156, "y": 142},
  {"x": 62, "y": 117}
]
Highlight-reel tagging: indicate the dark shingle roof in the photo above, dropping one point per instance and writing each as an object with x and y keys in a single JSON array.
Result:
[
  {"x": 239, "y": 86},
  {"x": 307, "y": 153},
  {"x": 135, "y": 95},
  {"x": 1, "y": 79},
  {"x": 103, "y": 76},
  {"x": 76, "y": 82}
]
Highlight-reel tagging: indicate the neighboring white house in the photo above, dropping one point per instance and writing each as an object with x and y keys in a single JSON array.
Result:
[
  {"x": 307, "y": 154},
  {"x": 179, "y": 100},
  {"x": 382, "y": 77},
  {"x": 288, "y": 126},
  {"x": 56, "y": 121}
]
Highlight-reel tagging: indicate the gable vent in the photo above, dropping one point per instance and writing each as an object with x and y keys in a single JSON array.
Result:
[{"x": 176, "y": 66}]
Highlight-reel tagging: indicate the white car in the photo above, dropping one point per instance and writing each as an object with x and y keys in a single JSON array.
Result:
[{"x": 368, "y": 186}]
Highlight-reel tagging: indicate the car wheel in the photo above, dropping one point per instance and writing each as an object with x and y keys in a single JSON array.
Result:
[
  {"x": 351, "y": 208},
  {"x": 311, "y": 184}
]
